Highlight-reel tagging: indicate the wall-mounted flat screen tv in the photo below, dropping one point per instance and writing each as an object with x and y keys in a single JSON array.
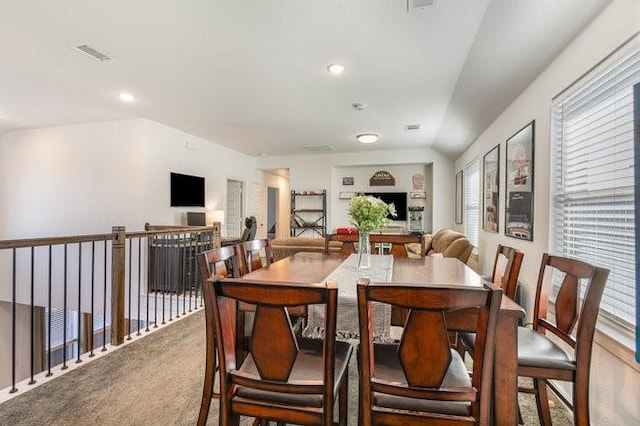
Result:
[
  {"x": 187, "y": 190},
  {"x": 399, "y": 199}
]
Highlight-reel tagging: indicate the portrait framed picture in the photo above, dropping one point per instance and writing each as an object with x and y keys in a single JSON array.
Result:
[
  {"x": 518, "y": 216},
  {"x": 491, "y": 190},
  {"x": 459, "y": 197}
]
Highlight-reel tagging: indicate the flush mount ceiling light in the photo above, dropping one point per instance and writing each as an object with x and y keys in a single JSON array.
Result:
[
  {"x": 367, "y": 137},
  {"x": 126, "y": 97},
  {"x": 335, "y": 69}
]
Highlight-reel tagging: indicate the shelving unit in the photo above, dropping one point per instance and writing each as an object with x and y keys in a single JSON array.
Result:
[{"x": 308, "y": 212}]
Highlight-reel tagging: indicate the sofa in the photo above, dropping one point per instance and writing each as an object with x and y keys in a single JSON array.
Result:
[
  {"x": 445, "y": 243},
  {"x": 285, "y": 247}
]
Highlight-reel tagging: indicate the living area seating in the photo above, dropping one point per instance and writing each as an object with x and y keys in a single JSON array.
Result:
[
  {"x": 283, "y": 378},
  {"x": 446, "y": 243},
  {"x": 540, "y": 357},
  {"x": 285, "y": 247}
]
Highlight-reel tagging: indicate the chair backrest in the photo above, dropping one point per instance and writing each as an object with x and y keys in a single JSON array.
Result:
[
  {"x": 434, "y": 311},
  {"x": 224, "y": 261},
  {"x": 253, "y": 252},
  {"x": 274, "y": 345},
  {"x": 571, "y": 312},
  {"x": 506, "y": 269},
  {"x": 251, "y": 227}
]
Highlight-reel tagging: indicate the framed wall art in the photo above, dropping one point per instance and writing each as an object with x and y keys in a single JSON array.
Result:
[
  {"x": 459, "y": 197},
  {"x": 518, "y": 216},
  {"x": 491, "y": 190}
]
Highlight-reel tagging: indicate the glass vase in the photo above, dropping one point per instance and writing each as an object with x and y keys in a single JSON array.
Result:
[{"x": 364, "y": 250}]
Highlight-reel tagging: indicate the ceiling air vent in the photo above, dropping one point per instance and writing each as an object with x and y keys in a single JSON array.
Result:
[
  {"x": 319, "y": 148},
  {"x": 93, "y": 52},
  {"x": 420, "y": 4},
  {"x": 412, "y": 127}
]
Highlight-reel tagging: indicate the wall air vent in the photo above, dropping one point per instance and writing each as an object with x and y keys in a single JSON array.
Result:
[
  {"x": 420, "y": 4},
  {"x": 412, "y": 127},
  {"x": 94, "y": 53},
  {"x": 319, "y": 148}
]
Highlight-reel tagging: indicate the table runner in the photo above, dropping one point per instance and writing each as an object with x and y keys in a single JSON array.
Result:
[{"x": 346, "y": 276}]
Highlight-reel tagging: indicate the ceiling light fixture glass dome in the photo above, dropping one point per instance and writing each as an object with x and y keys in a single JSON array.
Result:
[
  {"x": 367, "y": 137},
  {"x": 126, "y": 97},
  {"x": 335, "y": 68}
]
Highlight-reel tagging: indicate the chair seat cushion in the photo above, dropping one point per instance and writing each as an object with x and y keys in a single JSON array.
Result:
[
  {"x": 389, "y": 369},
  {"x": 537, "y": 350},
  {"x": 307, "y": 366}
]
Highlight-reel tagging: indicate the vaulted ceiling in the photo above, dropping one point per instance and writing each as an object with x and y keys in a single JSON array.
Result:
[{"x": 252, "y": 75}]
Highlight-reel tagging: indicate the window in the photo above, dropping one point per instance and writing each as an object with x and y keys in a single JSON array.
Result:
[
  {"x": 472, "y": 202},
  {"x": 592, "y": 184}
]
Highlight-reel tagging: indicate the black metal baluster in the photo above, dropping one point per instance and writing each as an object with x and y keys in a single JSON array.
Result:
[
  {"x": 104, "y": 302},
  {"x": 156, "y": 273},
  {"x": 80, "y": 317},
  {"x": 166, "y": 278},
  {"x": 33, "y": 309},
  {"x": 93, "y": 271},
  {"x": 172, "y": 284},
  {"x": 49, "y": 373},
  {"x": 64, "y": 313},
  {"x": 13, "y": 324},
  {"x": 139, "y": 280},
  {"x": 150, "y": 260},
  {"x": 129, "y": 304}
]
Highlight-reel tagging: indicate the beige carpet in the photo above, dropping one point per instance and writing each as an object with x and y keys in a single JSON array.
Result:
[{"x": 156, "y": 380}]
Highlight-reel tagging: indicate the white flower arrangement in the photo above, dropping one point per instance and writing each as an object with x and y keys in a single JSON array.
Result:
[{"x": 368, "y": 213}]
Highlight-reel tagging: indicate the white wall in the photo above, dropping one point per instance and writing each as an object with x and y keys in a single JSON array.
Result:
[
  {"x": 316, "y": 172},
  {"x": 86, "y": 178},
  {"x": 615, "y": 25}
]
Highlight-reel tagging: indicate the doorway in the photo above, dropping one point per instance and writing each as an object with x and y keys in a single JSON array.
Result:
[
  {"x": 233, "y": 225},
  {"x": 273, "y": 195}
]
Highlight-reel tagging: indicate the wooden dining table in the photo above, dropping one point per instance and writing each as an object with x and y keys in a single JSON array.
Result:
[{"x": 318, "y": 267}]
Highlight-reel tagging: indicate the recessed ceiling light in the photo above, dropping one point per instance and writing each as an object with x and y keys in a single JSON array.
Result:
[
  {"x": 335, "y": 69},
  {"x": 367, "y": 137},
  {"x": 126, "y": 97}
]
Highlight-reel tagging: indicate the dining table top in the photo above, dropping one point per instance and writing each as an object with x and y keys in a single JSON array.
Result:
[{"x": 318, "y": 267}]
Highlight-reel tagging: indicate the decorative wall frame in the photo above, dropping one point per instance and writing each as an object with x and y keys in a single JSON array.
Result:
[
  {"x": 347, "y": 180},
  {"x": 459, "y": 197},
  {"x": 491, "y": 190},
  {"x": 519, "y": 167}
]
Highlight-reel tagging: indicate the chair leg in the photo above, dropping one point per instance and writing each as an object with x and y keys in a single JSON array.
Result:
[
  {"x": 542, "y": 402},
  {"x": 207, "y": 389},
  {"x": 581, "y": 402},
  {"x": 343, "y": 401}
]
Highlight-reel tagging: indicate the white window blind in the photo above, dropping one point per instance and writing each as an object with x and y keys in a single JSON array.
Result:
[
  {"x": 472, "y": 202},
  {"x": 593, "y": 216}
]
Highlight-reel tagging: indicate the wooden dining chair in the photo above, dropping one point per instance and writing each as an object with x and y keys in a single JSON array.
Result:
[
  {"x": 506, "y": 270},
  {"x": 579, "y": 291},
  {"x": 222, "y": 261},
  {"x": 422, "y": 380},
  {"x": 253, "y": 253},
  {"x": 284, "y": 378}
]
